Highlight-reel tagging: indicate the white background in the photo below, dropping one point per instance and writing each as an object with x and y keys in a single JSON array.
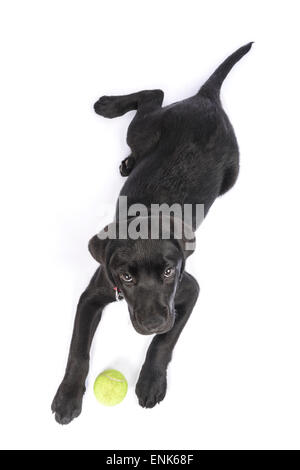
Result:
[{"x": 234, "y": 380}]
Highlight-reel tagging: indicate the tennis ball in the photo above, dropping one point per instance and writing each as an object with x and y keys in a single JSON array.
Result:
[{"x": 110, "y": 387}]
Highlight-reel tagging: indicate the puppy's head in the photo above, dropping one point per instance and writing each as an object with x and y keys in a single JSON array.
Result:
[{"x": 147, "y": 271}]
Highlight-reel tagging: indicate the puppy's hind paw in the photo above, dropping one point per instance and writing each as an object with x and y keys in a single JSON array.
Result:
[
  {"x": 108, "y": 106},
  {"x": 127, "y": 166}
]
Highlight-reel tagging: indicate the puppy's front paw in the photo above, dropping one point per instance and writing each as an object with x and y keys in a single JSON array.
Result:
[
  {"x": 67, "y": 402},
  {"x": 127, "y": 166},
  {"x": 151, "y": 387}
]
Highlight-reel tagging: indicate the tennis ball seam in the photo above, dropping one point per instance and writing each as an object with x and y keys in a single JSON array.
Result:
[{"x": 112, "y": 378}]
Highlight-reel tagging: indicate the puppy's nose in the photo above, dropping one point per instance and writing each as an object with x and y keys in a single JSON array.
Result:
[{"x": 152, "y": 321}]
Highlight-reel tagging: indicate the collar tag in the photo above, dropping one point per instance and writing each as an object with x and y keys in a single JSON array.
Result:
[{"x": 119, "y": 295}]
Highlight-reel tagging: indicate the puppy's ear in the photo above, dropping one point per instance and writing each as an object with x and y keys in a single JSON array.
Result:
[
  {"x": 98, "y": 244},
  {"x": 97, "y": 248},
  {"x": 187, "y": 241},
  {"x": 187, "y": 246}
]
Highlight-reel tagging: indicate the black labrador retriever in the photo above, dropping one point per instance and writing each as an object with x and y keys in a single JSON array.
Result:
[{"x": 185, "y": 153}]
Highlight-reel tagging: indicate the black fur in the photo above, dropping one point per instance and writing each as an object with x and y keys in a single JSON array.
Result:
[{"x": 184, "y": 153}]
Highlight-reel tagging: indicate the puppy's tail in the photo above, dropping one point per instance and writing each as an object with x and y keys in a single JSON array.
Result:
[{"x": 212, "y": 86}]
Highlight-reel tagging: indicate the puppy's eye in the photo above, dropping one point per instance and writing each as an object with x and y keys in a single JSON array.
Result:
[
  {"x": 168, "y": 272},
  {"x": 126, "y": 277}
]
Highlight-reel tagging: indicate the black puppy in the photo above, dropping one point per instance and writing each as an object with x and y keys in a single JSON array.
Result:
[{"x": 185, "y": 153}]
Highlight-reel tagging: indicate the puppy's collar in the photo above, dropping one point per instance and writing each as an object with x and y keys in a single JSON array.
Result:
[{"x": 119, "y": 295}]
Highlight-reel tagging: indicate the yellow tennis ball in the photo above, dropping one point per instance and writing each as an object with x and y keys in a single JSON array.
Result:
[{"x": 110, "y": 387}]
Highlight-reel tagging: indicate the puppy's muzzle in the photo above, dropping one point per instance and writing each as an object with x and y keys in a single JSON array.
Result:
[{"x": 153, "y": 322}]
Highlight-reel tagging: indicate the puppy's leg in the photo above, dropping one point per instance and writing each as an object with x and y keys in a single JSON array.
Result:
[
  {"x": 114, "y": 106},
  {"x": 142, "y": 132},
  {"x": 152, "y": 384},
  {"x": 68, "y": 399}
]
